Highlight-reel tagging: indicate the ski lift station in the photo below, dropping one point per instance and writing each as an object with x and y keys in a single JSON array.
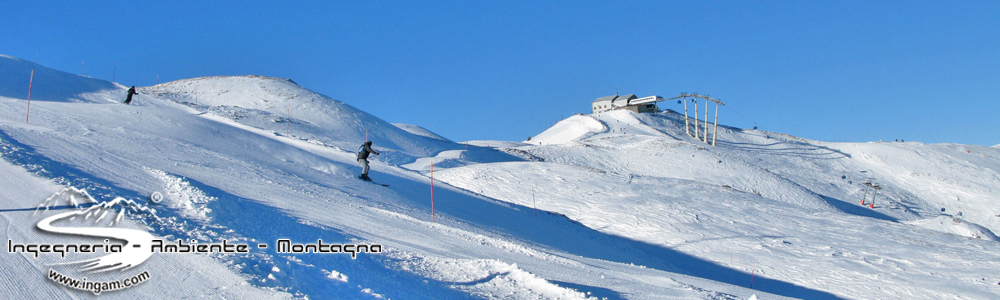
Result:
[
  {"x": 627, "y": 102},
  {"x": 648, "y": 105}
]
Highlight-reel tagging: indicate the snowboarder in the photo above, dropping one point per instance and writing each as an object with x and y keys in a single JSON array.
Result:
[
  {"x": 131, "y": 91},
  {"x": 363, "y": 152}
]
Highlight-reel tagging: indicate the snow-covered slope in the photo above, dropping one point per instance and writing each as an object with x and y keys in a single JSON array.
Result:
[
  {"x": 615, "y": 205},
  {"x": 178, "y": 276},
  {"x": 226, "y": 180},
  {"x": 916, "y": 180},
  {"x": 955, "y": 226},
  {"x": 785, "y": 206},
  {"x": 576, "y": 127},
  {"x": 414, "y": 129},
  {"x": 281, "y": 106},
  {"x": 48, "y": 84}
]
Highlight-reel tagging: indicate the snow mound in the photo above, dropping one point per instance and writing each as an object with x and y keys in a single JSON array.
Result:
[
  {"x": 249, "y": 91},
  {"x": 619, "y": 123},
  {"x": 334, "y": 275},
  {"x": 955, "y": 226},
  {"x": 414, "y": 129},
  {"x": 178, "y": 194},
  {"x": 47, "y": 84},
  {"x": 574, "y": 128},
  {"x": 458, "y": 158},
  {"x": 490, "y": 279},
  {"x": 284, "y": 107}
]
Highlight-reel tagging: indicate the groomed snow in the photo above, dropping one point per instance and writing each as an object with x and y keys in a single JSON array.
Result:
[{"x": 175, "y": 276}]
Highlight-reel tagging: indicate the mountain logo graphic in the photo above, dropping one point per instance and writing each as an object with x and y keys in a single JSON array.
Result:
[{"x": 137, "y": 243}]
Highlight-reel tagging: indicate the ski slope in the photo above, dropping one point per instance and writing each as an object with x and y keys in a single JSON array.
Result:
[
  {"x": 615, "y": 205},
  {"x": 785, "y": 206}
]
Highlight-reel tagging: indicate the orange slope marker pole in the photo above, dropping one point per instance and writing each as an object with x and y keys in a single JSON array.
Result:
[{"x": 30, "y": 81}]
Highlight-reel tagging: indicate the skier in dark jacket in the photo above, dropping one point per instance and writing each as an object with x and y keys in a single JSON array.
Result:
[
  {"x": 363, "y": 152},
  {"x": 131, "y": 91}
]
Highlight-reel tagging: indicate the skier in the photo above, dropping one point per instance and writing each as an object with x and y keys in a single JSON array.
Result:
[
  {"x": 363, "y": 152},
  {"x": 131, "y": 91}
]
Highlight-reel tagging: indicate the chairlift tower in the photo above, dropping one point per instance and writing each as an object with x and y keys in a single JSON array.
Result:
[
  {"x": 875, "y": 187},
  {"x": 687, "y": 126},
  {"x": 696, "y": 121},
  {"x": 697, "y": 135}
]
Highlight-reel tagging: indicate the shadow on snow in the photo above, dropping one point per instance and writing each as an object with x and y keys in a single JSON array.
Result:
[
  {"x": 252, "y": 220},
  {"x": 556, "y": 231},
  {"x": 862, "y": 211}
]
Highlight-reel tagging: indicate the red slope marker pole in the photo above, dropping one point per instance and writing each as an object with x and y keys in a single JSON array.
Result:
[
  {"x": 432, "y": 193},
  {"x": 751, "y": 275},
  {"x": 30, "y": 81}
]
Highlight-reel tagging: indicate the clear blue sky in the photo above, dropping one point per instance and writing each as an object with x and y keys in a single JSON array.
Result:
[{"x": 828, "y": 70}]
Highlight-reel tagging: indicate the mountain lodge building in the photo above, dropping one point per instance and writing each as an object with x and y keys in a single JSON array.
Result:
[{"x": 627, "y": 102}]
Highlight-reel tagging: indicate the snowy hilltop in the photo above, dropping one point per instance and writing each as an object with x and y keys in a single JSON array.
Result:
[
  {"x": 281, "y": 106},
  {"x": 613, "y": 205}
]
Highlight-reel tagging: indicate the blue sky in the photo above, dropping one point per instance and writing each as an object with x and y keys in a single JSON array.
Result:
[{"x": 853, "y": 71}]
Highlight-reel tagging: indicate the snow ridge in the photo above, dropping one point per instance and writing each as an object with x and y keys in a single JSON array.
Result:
[
  {"x": 48, "y": 84},
  {"x": 283, "y": 107}
]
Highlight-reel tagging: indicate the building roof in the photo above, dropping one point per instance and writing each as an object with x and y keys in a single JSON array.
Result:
[
  {"x": 624, "y": 99},
  {"x": 606, "y": 98}
]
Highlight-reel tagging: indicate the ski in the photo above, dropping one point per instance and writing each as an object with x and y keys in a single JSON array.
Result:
[{"x": 372, "y": 182}]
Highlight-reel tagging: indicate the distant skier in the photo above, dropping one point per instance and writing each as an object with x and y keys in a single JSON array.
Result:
[
  {"x": 131, "y": 91},
  {"x": 363, "y": 152}
]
